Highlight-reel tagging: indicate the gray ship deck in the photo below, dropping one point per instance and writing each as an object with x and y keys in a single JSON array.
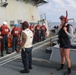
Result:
[{"x": 12, "y": 64}]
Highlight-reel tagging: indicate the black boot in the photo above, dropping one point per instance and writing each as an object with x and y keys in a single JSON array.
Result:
[
  {"x": 24, "y": 71},
  {"x": 2, "y": 54},
  {"x": 30, "y": 67},
  {"x": 61, "y": 67},
  {"x": 68, "y": 72},
  {"x": 8, "y": 52}
]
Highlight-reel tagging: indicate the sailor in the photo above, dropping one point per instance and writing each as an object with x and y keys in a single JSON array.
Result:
[
  {"x": 26, "y": 47},
  {"x": 15, "y": 33},
  {"x": 5, "y": 33},
  {"x": 38, "y": 32},
  {"x": 0, "y": 37},
  {"x": 65, "y": 35},
  {"x": 31, "y": 27},
  {"x": 43, "y": 31}
]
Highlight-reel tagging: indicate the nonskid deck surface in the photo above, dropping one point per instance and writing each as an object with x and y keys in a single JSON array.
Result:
[{"x": 12, "y": 64}]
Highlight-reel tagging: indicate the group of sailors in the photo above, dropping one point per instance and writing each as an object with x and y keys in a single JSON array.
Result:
[
  {"x": 11, "y": 38},
  {"x": 39, "y": 31}
]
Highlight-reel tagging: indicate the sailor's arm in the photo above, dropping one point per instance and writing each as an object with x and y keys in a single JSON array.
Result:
[
  {"x": 24, "y": 37},
  {"x": 70, "y": 33}
]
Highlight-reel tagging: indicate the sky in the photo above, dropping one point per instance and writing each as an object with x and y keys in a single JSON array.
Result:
[{"x": 55, "y": 8}]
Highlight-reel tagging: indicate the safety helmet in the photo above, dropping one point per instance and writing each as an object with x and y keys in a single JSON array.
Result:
[
  {"x": 15, "y": 25},
  {"x": 38, "y": 23},
  {"x": 43, "y": 23},
  {"x": 31, "y": 24},
  {"x": 5, "y": 22}
]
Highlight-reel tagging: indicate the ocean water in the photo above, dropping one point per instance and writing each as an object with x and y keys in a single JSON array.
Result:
[{"x": 52, "y": 24}]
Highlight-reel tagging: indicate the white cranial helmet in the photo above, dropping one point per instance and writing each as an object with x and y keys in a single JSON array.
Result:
[
  {"x": 43, "y": 23},
  {"x": 5, "y": 22}
]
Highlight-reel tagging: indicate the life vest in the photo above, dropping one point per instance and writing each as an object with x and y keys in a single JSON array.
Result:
[
  {"x": 5, "y": 30},
  {"x": 38, "y": 28},
  {"x": 15, "y": 31},
  {"x": 31, "y": 28},
  {"x": 43, "y": 28},
  {"x": 9, "y": 41}
]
